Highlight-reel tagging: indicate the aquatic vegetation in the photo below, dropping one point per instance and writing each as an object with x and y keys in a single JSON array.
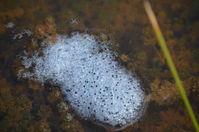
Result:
[
  {"x": 167, "y": 120},
  {"x": 164, "y": 89},
  {"x": 46, "y": 30},
  {"x": 54, "y": 96},
  {"x": 11, "y": 14},
  {"x": 17, "y": 110},
  {"x": 34, "y": 86},
  {"x": 44, "y": 112},
  {"x": 124, "y": 58},
  {"x": 42, "y": 126},
  {"x": 2, "y": 28},
  {"x": 63, "y": 107},
  {"x": 68, "y": 117},
  {"x": 94, "y": 84},
  {"x": 171, "y": 64}
]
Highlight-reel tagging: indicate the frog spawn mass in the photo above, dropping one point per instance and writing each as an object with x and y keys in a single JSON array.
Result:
[{"x": 93, "y": 82}]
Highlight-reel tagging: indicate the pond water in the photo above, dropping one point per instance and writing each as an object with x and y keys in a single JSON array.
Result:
[{"x": 26, "y": 105}]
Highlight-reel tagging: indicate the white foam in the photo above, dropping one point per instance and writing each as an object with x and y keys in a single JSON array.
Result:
[{"x": 94, "y": 84}]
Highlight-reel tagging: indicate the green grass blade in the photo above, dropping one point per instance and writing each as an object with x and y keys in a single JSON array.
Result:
[{"x": 170, "y": 63}]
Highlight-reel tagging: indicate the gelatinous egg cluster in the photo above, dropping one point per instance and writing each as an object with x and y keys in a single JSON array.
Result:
[{"x": 93, "y": 82}]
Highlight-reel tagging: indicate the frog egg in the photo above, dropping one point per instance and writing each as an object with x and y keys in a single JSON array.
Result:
[{"x": 93, "y": 82}]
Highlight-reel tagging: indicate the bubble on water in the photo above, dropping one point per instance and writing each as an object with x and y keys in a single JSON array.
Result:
[{"x": 9, "y": 25}]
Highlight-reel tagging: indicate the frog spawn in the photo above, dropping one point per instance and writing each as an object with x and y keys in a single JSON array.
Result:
[{"x": 93, "y": 82}]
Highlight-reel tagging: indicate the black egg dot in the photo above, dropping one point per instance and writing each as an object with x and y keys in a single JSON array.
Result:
[{"x": 67, "y": 90}]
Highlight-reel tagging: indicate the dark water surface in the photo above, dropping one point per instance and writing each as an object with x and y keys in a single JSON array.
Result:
[{"x": 29, "y": 106}]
